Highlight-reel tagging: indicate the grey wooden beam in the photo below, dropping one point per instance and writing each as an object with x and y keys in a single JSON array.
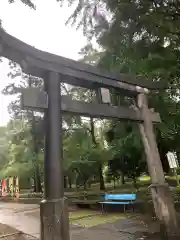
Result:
[
  {"x": 38, "y": 68},
  {"x": 22, "y": 51},
  {"x": 83, "y": 79},
  {"x": 37, "y": 100},
  {"x": 104, "y": 111}
]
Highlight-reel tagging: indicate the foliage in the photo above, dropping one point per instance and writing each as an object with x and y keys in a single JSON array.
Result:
[
  {"x": 3, "y": 146},
  {"x": 80, "y": 153},
  {"x": 141, "y": 37},
  {"x": 90, "y": 55},
  {"x": 82, "y": 156},
  {"x": 127, "y": 151},
  {"x": 137, "y": 37},
  {"x": 178, "y": 171},
  {"x": 177, "y": 193},
  {"x": 26, "y": 130},
  {"x": 29, "y": 3},
  {"x": 19, "y": 161},
  {"x": 21, "y": 80}
]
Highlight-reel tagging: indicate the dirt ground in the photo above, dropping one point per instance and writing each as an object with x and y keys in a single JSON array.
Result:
[
  {"x": 7, "y": 230},
  {"x": 139, "y": 221},
  {"x": 9, "y": 233},
  {"x": 85, "y": 224}
]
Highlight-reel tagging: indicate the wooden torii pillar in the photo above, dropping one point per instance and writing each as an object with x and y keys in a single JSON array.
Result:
[
  {"x": 161, "y": 195},
  {"x": 54, "y": 208}
]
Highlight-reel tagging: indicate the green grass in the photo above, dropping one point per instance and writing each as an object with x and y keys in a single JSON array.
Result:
[
  {"x": 144, "y": 178},
  {"x": 92, "y": 218},
  {"x": 173, "y": 177},
  {"x": 81, "y": 214}
]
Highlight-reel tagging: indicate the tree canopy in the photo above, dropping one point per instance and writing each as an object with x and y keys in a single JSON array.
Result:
[
  {"x": 137, "y": 37},
  {"x": 28, "y": 3}
]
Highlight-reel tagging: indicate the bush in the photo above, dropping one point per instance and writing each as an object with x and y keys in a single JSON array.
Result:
[
  {"x": 177, "y": 193},
  {"x": 31, "y": 195},
  {"x": 178, "y": 170}
]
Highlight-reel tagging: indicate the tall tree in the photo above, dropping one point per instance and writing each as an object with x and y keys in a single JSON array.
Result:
[
  {"x": 3, "y": 146},
  {"x": 22, "y": 80},
  {"x": 140, "y": 37},
  {"x": 19, "y": 155},
  {"x": 89, "y": 96}
]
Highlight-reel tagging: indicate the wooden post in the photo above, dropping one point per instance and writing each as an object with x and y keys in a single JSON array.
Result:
[
  {"x": 161, "y": 195},
  {"x": 53, "y": 209}
]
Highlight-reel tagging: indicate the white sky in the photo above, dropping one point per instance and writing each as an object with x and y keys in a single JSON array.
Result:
[{"x": 44, "y": 28}]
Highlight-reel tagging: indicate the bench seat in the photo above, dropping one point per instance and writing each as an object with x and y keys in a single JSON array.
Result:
[
  {"x": 116, "y": 203},
  {"x": 118, "y": 199}
]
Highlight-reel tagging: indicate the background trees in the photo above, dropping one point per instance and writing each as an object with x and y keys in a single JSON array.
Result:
[{"x": 140, "y": 38}]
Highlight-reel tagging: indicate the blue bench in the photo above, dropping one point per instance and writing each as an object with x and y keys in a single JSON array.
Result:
[{"x": 118, "y": 199}]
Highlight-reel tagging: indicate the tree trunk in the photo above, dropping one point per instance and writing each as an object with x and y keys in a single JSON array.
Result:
[
  {"x": 101, "y": 178},
  {"x": 65, "y": 182},
  {"x": 85, "y": 185},
  {"x": 114, "y": 181},
  {"x": 37, "y": 177},
  {"x": 37, "y": 181},
  {"x": 76, "y": 184},
  {"x": 70, "y": 182},
  {"x": 135, "y": 182},
  {"x": 134, "y": 179},
  {"x": 122, "y": 178}
]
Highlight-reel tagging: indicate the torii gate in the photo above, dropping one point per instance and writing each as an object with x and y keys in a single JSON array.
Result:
[{"x": 54, "y": 70}]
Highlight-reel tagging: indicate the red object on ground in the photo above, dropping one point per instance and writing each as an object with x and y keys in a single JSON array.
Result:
[{"x": 4, "y": 187}]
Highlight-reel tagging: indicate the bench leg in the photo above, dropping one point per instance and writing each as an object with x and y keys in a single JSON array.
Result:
[
  {"x": 105, "y": 212},
  {"x": 102, "y": 208},
  {"x": 124, "y": 208}
]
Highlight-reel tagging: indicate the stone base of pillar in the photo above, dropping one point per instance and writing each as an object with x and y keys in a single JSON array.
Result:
[
  {"x": 54, "y": 219},
  {"x": 164, "y": 209}
]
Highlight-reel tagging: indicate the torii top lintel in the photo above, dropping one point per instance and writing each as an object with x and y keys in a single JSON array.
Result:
[{"x": 37, "y": 62}]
